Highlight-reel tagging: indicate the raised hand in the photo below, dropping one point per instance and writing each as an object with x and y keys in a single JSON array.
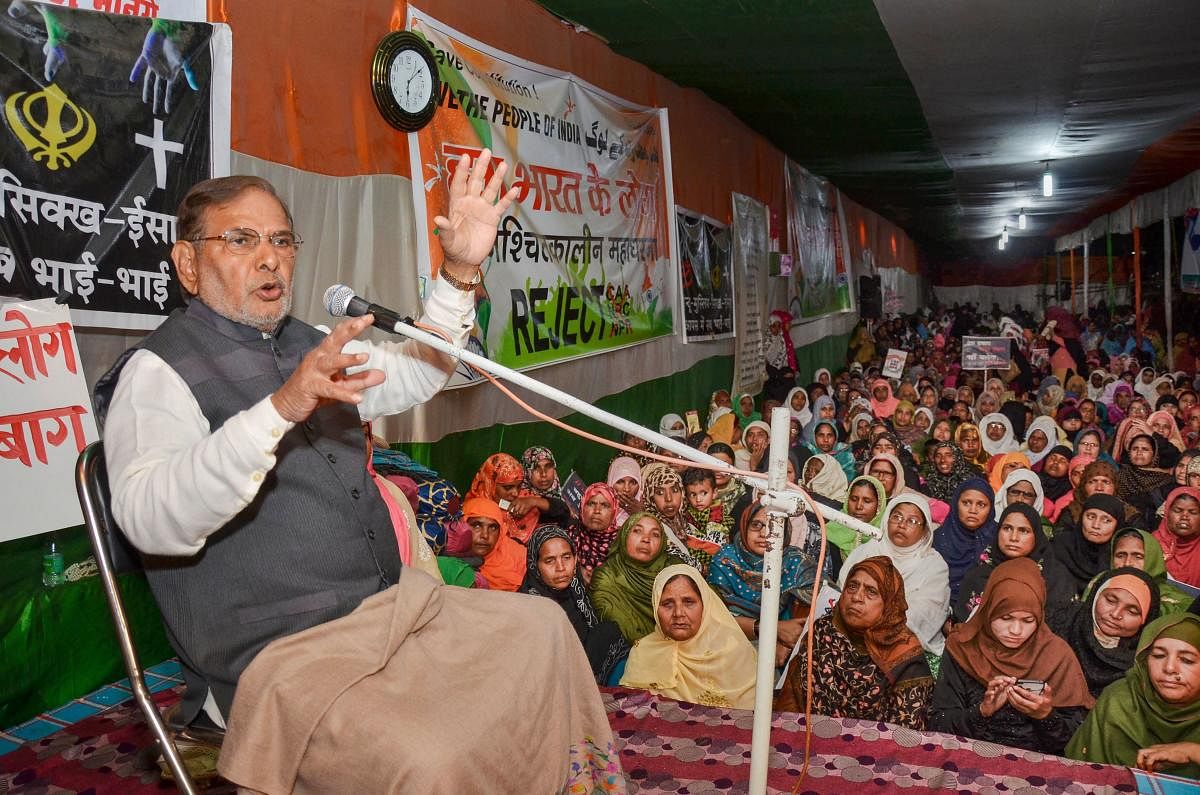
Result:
[
  {"x": 468, "y": 229},
  {"x": 321, "y": 377}
]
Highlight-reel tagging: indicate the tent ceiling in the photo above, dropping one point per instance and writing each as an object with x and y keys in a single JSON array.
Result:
[{"x": 936, "y": 114}]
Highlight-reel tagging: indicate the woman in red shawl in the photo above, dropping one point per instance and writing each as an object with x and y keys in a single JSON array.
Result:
[
  {"x": 596, "y": 528},
  {"x": 1179, "y": 535}
]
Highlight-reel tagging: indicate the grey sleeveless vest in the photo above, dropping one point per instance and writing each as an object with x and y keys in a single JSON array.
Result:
[{"x": 315, "y": 541}]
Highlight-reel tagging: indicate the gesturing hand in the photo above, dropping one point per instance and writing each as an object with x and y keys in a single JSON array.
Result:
[
  {"x": 468, "y": 229},
  {"x": 321, "y": 377},
  {"x": 996, "y": 695}
]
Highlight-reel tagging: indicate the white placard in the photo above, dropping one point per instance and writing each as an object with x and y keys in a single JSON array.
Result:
[
  {"x": 893, "y": 365},
  {"x": 45, "y": 418}
]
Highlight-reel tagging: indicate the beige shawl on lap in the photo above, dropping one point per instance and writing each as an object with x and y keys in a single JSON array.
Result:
[{"x": 424, "y": 688}]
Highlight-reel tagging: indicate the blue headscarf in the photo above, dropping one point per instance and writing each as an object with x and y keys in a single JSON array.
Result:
[
  {"x": 736, "y": 574},
  {"x": 961, "y": 548}
]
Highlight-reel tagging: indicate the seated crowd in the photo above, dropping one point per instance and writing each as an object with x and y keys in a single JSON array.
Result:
[{"x": 1031, "y": 580}]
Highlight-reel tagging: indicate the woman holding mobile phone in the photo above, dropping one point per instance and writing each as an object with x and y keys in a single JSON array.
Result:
[{"x": 1006, "y": 677}]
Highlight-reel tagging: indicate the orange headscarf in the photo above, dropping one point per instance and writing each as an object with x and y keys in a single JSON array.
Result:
[
  {"x": 505, "y": 470},
  {"x": 1017, "y": 584},
  {"x": 504, "y": 566},
  {"x": 996, "y": 470},
  {"x": 890, "y": 643}
]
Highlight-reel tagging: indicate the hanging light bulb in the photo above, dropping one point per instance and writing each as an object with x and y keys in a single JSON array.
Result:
[
  {"x": 1047, "y": 182},
  {"x": 1001, "y": 242},
  {"x": 1004, "y": 236},
  {"x": 1022, "y": 219}
]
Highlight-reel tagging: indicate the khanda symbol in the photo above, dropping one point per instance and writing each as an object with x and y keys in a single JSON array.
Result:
[{"x": 52, "y": 127}]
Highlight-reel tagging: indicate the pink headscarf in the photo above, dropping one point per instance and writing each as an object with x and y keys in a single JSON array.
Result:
[
  {"x": 622, "y": 467},
  {"x": 883, "y": 409},
  {"x": 1182, "y": 555}
]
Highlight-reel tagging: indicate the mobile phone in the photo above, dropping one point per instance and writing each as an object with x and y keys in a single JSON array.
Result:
[
  {"x": 504, "y": 505},
  {"x": 693, "y": 421},
  {"x": 1032, "y": 685}
]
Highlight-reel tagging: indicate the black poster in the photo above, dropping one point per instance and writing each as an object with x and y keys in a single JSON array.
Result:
[
  {"x": 706, "y": 278},
  {"x": 106, "y": 124}
]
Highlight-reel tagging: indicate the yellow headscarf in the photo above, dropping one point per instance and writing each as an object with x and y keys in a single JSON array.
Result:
[{"x": 717, "y": 667}]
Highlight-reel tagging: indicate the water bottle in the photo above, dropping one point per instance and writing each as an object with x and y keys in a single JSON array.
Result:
[{"x": 52, "y": 563}]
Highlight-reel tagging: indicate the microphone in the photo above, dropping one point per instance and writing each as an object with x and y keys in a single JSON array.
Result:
[{"x": 340, "y": 301}]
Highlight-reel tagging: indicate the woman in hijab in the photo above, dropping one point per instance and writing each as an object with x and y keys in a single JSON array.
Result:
[
  {"x": 540, "y": 499},
  {"x": 731, "y": 492},
  {"x": 1019, "y": 535},
  {"x": 869, "y": 664},
  {"x": 905, "y": 428},
  {"x": 501, "y": 559},
  {"x": 1151, "y": 718},
  {"x": 1140, "y": 481},
  {"x": 944, "y": 471},
  {"x": 552, "y": 571},
  {"x": 866, "y": 499},
  {"x": 968, "y": 439},
  {"x": 987, "y": 404},
  {"x": 756, "y": 437},
  {"x": 746, "y": 413},
  {"x": 1104, "y": 627},
  {"x": 821, "y": 438},
  {"x": 797, "y": 403},
  {"x": 672, "y": 425},
  {"x": 1084, "y": 551},
  {"x": 722, "y": 424},
  {"x": 887, "y": 443},
  {"x": 500, "y": 478},
  {"x": 1141, "y": 550},
  {"x": 736, "y": 573},
  {"x": 1144, "y": 384},
  {"x": 887, "y": 470},
  {"x": 1007, "y": 678},
  {"x": 1056, "y": 481},
  {"x": 695, "y": 651},
  {"x": 823, "y": 477},
  {"x": 593, "y": 534},
  {"x": 1164, "y": 426},
  {"x": 625, "y": 478},
  {"x": 1002, "y": 466},
  {"x": 1021, "y": 485},
  {"x": 1041, "y": 437},
  {"x": 663, "y": 488},
  {"x": 998, "y": 437},
  {"x": 621, "y": 586},
  {"x": 883, "y": 403},
  {"x": 779, "y": 355},
  {"x": 1179, "y": 535},
  {"x": 1117, "y": 397},
  {"x": 967, "y": 531},
  {"x": 908, "y": 542}
]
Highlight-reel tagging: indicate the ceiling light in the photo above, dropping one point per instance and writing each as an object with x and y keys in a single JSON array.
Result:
[
  {"x": 1022, "y": 219},
  {"x": 1004, "y": 236},
  {"x": 1001, "y": 242},
  {"x": 1047, "y": 182}
]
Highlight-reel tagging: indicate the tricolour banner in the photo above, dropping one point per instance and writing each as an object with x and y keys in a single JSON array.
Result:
[
  {"x": 584, "y": 260},
  {"x": 820, "y": 284},
  {"x": 1189, "y": 257},
  {"x": 45, "y": 418},
  {"x": 706, "y": 281},
  {"x": 109, "y": 120}
]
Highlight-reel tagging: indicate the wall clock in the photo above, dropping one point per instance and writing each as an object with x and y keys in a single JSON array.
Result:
[{"x": 404, "y": 80}]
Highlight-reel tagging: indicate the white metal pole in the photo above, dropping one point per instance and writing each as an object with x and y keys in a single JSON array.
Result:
[
  {"x": 1169, "y": 342},
  {"x": 768, "y": 617},
  {"x": 1087, "y": 272},
  {"x": 570, "y": 401}
]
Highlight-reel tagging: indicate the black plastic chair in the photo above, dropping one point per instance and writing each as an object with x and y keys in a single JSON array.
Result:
[{"x": 115, "y": 555}]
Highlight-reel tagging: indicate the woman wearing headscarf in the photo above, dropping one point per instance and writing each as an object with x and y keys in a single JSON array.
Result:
[
  {"x": 1056, "y": 481},
  {"x": 672, "y": 425},
  {"x": 908, "y": 542},
  {"x": 1021, "y": 485},
  {"x": 797, "y": 404},
  {"x": 1116, "y": 399},
  {"x": 1040, "y": 438},
  {"x": 1006, "y": 677},
  {"x": 552, "y": 571},
  {"x": 779, "y": 355},
  {"x": 869, "y": 664},
  {"x": 998, "y": 437},
  {"x": 1083, "y": 551},
  {"x": 866, "y": 500},
  {"x": 967, "y": 531},
  {"x": 883, "y": 403},
  {"x": 1019, "y": 534},
  {"x": 1163, "y": 424},
  {"x": 501, "y": 559},
  {"x": 1103, "y": 628},
  {"x": 823, "y": 477},
  {"x": 987, "y": 404},
  {"x": 1151, "y": 718},
  {"x": 1140, "y": 481},
  {"x": 1179, "y": 535},
  {"x": 905, "y": 428},
  {"x": 1002, "y": 465},
  {"x": 695, "y": 651},
  {"x": 944, "y": 471},
  {"x": 625, "y": 478},
  {"x": 745, "y": 411},
  {"x": 968, "y": 439},
  {"x": 1144, "y": 384},
  {"x": 736, "y": 574},
  {"x": 594, "y": 532},
  {"x": 886, "y": 468},
  {"x": 1141, "y": 550},
  {"x": 722, "y": 424},
  {"x": 621, "y": 587},
  {"x": 821, "y": 437},
  {"x": 885, "y": 442},
  {"x": 756, "y": 438},
  {"x": 540, "y": 499},
  {"x": 500, "y": 478}
]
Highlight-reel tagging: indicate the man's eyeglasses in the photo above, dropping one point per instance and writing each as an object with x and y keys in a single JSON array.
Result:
[{"x": 240, "y": 242}]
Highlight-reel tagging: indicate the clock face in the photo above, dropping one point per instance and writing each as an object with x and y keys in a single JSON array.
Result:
[{"x": 410, "y": 81}]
